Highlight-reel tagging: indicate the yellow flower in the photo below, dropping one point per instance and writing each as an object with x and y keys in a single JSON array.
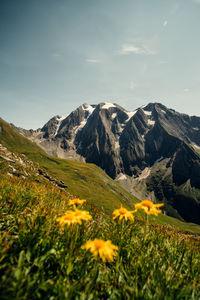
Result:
[
  {"x": 74, "y": 216},
  {"x": 149, "y": 207},
  {"x": 123, "y": 213},
  {"x": 76, "y": 201},
  {"x": 105, "y": 249},
  {"x": 68, "y": 219},
  {"x": 82, "y": 214}
]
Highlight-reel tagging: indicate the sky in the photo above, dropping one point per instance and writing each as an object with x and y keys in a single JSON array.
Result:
[{"x": 58, "y": 54}]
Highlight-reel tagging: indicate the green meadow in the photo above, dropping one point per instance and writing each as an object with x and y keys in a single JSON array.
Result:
[{"x": 42, "y": 260}]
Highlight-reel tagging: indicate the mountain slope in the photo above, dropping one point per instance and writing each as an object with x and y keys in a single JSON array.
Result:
[
  {"x": 118, "y": 140},
  {"x": 153, "y": 151},
  {"x": 82, "y": 180}
]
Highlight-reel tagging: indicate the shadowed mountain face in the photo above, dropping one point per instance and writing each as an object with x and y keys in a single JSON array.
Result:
[{"x": 153, "y": 151}]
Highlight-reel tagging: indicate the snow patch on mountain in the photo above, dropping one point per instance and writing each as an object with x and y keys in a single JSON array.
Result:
[
  {"x": 151, "y": 122},
  {"x": 88, "y": 108},
  {"x": 130, "y": 114},
  {"x": 113, "y": 116},
  {"x": 148, "y": 113},
  {"x": 59, "y": 119},
  {"x": 82, "y": 124},
  {"x": 108, "y": 105}
]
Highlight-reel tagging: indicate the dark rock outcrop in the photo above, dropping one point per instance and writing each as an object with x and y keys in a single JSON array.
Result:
[{"x": 123, "y": 142}]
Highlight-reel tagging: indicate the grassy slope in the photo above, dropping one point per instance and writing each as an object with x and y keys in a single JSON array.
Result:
[
  {"x": 40, "y": 260},
  {"x": 84, "y": 180}
]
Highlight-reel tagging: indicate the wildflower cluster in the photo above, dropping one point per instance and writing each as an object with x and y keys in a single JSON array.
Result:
[
  {"x": 98, "y": 247},
  {"x": 87, "y": 258},
  {"x": 146, "y": 205},
  {"x": 75, "y": 216}
]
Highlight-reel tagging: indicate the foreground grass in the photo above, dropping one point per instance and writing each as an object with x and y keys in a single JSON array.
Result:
[{"x": 41, "y": 260}]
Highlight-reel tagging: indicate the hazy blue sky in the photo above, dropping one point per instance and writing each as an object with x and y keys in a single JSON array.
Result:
[{"x": 57, "y": 54}]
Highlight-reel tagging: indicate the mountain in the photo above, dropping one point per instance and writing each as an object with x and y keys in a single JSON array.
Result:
[
  {"x": 23, "y": 161},
  {"x": 153, "y": 151},
  {"x": 86, "y": 181}
]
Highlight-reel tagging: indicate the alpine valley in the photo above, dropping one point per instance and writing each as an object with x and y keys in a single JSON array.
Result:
[
  {"x": 153, "y": 151},
  {"x": 70, "y": 231}
]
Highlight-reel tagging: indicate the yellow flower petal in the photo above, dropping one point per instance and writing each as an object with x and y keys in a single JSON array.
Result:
[
  {"x": 74, "y": 216},
  {"x": 76, "y": 201},
  {"x": 104, "y": 249},
  {"x": 149, "y": 207},
  {"x": 123, "y": 213}
]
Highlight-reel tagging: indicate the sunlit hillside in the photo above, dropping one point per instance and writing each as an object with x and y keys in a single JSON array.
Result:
[
  {"x": 54, "y": 249},
  {"x": 41, "y": 258}
]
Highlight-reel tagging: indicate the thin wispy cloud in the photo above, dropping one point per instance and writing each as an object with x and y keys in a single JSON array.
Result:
[
  {"x": 140, "y": 46},
  {"x": 165, "y": 23},
  {"x": 128, "y": 49},
  {"x": 132, "y": 49},
  {"x": 92, "y": 60},
  {"x": 186, "y": 90},
  {"x": 196, "y": 1}
]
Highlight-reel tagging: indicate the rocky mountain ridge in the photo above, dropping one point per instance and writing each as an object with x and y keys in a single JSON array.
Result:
[
  {"x": 117, "y": 140},
  {"x": 153, "y": 151}
]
